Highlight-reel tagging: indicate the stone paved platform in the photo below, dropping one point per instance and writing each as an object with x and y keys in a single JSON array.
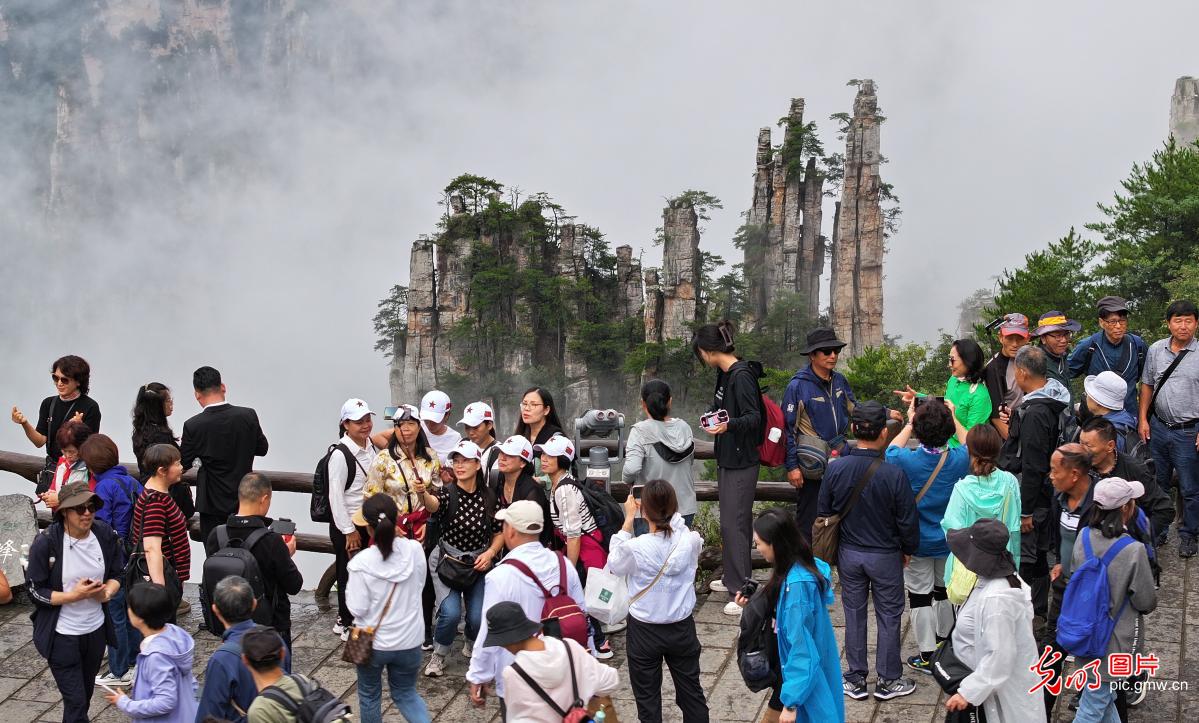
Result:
[{"x": 27, "y": 691}]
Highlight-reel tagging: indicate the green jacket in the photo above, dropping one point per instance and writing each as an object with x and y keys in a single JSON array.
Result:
[
  {"x": 971, "y": 402},
  {"x": 995, "y": 496}
]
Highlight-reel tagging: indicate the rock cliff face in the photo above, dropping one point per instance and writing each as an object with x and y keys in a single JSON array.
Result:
[
  {"x": 856, "y": 306},
  {"x": 1184, "y": 111}
]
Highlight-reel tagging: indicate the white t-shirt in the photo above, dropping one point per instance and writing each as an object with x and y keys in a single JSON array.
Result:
[
  {"x": 443, "y": 443},
  {"x": 80, "y": 559}
]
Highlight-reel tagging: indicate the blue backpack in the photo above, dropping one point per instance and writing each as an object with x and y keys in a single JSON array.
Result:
[{"x": 1085, "y": 625}]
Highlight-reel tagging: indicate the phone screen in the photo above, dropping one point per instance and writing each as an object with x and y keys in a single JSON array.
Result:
[
  {"x": 389, "y": 412},
  {"x": 637, "y": 491}
]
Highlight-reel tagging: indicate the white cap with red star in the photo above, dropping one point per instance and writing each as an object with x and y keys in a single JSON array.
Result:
[
  {"x": 354, "y": 410},
  {"x": 475, "y": 414},
  {"x": 434, "y": 406}
]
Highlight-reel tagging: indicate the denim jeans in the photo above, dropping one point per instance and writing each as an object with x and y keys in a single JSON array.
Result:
[
  {"x": 1097, "y": 706},
  {"x": 402, "y": 666},
  {"x": 641, "y": 527},
  {"x": 1174, "y": 449},
  {"x": 122, "y": 655},
  {"x": 449, "y": 609}
]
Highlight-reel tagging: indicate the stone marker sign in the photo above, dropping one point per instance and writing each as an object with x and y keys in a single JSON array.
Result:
[{"x": 18, "y": 526}]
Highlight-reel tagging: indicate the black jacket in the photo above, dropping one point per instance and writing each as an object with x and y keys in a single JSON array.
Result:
[
  {"x": 884, "y": 518},
  {"x": 528, "y": 488},
  {"x": 1156, "y": 503},
  {"x": 737, "y": 393},
  {"x": 225, "y": 439},
  {"x": 1032, "y": 438},
  {"x": 44, "y": 576},
  {"x": 280, "y": 576}
]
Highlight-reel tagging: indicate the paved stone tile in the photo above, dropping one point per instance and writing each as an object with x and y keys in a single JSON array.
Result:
[
  {"x": 894, "y": 712},
  {"x": 16, "y": 711}
]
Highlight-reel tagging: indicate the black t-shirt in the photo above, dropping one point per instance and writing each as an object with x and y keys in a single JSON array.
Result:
[{"x": 55, "y": 411}]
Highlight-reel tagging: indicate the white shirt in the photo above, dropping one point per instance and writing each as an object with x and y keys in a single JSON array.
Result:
[
  {"x": 344, "y": 505},
  {"x": 551, "y": 669},
  {"x": 443, "y": 443},
  {"x": 638, "y": 560},
  {"x": 371, "y": 581},
  {"x": 80, "y": 559},
  {"x": 505, "y": 582}
]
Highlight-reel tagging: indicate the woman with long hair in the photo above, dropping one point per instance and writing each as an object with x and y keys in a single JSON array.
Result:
[
  {"x": 154, "y": 404},
  {"x": 738, "y": 396},
  {"x": 986, "y": 492},
  {"x": 661, "y": 447},
  {"x": 384, "y": 593},
  {"x": 408, "y": 471},
  {"x": 538, "y": 419},
  {"x": 798, "y": 595},
  {"x": 516, "y": 482},
  {"x": 470, "y": 534},
  {"x": 660, "y": 569}
]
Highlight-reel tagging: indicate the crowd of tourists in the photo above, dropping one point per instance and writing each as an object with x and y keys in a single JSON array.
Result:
[{"x": 1000, "y": 507}]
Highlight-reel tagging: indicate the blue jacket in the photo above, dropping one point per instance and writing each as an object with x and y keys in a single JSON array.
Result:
[
  {"x": 164, "y": 689},
  {"x": 827, "y": 404},
  {"x": 227, "y": 680},
  {"x": 917, "y": 465},
  {"x": 1127, "y": 360},
  {"x": 120, "y": 491},
  {"x": 884, "y": 519},
  {"x": 808, "y": 654}
]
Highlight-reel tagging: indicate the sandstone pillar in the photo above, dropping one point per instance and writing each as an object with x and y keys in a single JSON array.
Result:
[
  {"x": 1184, "y": 111},
  {"x": 680, "y": 271}
]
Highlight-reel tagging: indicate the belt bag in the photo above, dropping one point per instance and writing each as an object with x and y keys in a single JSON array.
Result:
[
  {"x": 457, "y": 569},
  {"x": 812, "y": 454}
]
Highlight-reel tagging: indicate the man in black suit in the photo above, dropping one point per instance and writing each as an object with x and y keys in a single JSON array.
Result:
[{"x": 225, "y": 439}]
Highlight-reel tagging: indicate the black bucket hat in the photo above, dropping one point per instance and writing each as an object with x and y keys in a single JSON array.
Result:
[
  {"x": 982, "y": 548},
  {"x": 507, "y": 624},
  {"x": 822, "y": 338}
]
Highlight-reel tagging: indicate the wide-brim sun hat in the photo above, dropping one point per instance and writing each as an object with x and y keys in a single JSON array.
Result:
[{"x": 982, "y": 548}]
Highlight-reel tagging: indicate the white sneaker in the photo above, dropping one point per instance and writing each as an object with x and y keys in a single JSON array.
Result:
[
  {"x": 110, "y": 680},
  {"x": 468, "y": 648},
  {"x": 436, "y": 666},
  {"x": 717, "y": 585},
  {"x": 338, "y": 629},
  {"x": 732, "y": 608},
  {"x": 345, "y": 636}
]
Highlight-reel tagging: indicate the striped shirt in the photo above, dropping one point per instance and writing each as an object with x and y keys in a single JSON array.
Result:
[
  {"x": 569, "y": 509},
  {"x": 157, "y": 515}
]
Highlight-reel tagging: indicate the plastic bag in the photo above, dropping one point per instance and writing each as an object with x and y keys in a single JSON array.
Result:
[{"x": 607, "y": 596}]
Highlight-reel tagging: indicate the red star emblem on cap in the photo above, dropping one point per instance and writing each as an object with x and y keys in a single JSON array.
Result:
[
  {"x": 360, "y": 403},
  {"x": 432, "y": 405}
]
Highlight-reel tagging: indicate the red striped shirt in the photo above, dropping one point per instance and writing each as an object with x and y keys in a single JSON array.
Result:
[{"x": 157, "y": 515}]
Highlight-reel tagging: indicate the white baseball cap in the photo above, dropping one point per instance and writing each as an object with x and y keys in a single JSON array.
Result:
[
  {"x": 354, "y": 409},
  {"x": 525, "y": 515},
  {"x": 1114, "y": 492},
  {"x": 476, "y": 413},
  {"x": 434, "y": 406},
  {"x": 517, "y": 446},
  {"x": 1107, "y": 389},
  {"x": 557, "y": 446},
  {"x": 467, "y": 449}
]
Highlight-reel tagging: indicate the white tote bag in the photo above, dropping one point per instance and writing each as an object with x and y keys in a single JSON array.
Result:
[{"x": 607, "y": 596}]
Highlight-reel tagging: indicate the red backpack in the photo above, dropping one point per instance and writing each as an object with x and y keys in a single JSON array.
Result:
[
  {"x": 772, "y": 453},
  {"x": 561, "y": 616}
]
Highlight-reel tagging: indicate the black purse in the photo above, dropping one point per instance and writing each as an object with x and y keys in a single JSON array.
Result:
[
  {"x": 137, "y": 570},
  {"x": 458, "y": 573}
]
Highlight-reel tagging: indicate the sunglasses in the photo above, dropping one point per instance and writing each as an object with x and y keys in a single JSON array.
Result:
[
  {"x": 827, "y": 352},
  {"x": 84, "y": 508},
  {"x": 61, "y": 379}
]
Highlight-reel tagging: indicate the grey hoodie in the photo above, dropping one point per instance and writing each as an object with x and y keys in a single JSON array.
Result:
[{"x": 643, "y": 462}]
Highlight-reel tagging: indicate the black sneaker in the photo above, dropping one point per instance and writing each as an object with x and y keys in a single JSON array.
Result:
[
  {"x": 857, "y": 691},
  {"x": 1187, "y": 547},
  {"x": 919, "y": 664},
  {"x": 888, "y": 689},
  {"x": 1137, "y": 690}
]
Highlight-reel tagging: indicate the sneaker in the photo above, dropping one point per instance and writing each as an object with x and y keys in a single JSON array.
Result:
[
  {"x": 113, "y": 681},
  {"x": 920, "y": 665},
  {"x": 184, "y": 608},
  {"x": 888, "y": 689},
  {"x": 717, "y": 585},
  {"x": 732, "y": 608},
  {"x": 426, "y": 646},
  {"x": 468, "y": 648},
  {"x": 436, "y": 666},
  {"x": 1187, "y": 547},
  {"x": 345, "y": 635},
  {"x": 1137, "y": 690},
  {"x": 857, "y": 691},
  {"x": 338, "y": 630},
  {"x": 603, "y": 652},
  {"x": 618, "y": 627}
]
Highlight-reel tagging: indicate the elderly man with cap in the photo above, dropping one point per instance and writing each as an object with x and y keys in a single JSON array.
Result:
[
  {"x": 348, "y": 462},
  {"x": 75, "y": 568},
  {"x": 1112, "y": 349},
  {"x": 993, "y": 635},
  {"x": 1130, "y": 587},
  {"x": 878, "y": 535},
  {"x": 523, "y": 523},
  {"x": 817, "y": 403},
  {"x": 1000, "y": 373},
  {"x": 1054, "y": 332},
  {"x": 544, "y": 667}
]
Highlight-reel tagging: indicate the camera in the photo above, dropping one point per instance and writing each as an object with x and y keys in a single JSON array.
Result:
[
  {"x": 749, "y": 588},
  {"x": 922, "y": 400}
]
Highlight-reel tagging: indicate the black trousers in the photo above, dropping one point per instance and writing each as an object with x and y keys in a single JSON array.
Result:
[
  {"x": 647, "y": 645},
  {"x": 806, "y": 498},
  {"x": 74, "y": 663},
  {"x": 341, "y": 559}
]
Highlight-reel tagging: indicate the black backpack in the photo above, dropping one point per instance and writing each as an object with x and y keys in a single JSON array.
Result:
[
  {"x": 316, "y": 704},
  {"x": 234, "y": 557},
  {"x": 318, "y": 506},
  {"x": 757, "y": 645},
  {"x": 608, "y": 515}
]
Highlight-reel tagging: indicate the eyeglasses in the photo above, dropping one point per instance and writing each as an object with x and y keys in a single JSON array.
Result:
[
  {"x": 1116, "y": 320},
  {"x": 61, "y": 379},
  {"x": 531, "y": 405},
  {"x": 84, "y": 508}
]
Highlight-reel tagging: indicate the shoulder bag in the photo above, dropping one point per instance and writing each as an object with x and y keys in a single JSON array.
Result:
[
  {"x": 932, "y": 478},
  {"x": 1157, "y": 388},
  {"x": 826, "y": 531},
  {"x": 137, "y": 570},
  {"x": 361, "y": 643}
]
